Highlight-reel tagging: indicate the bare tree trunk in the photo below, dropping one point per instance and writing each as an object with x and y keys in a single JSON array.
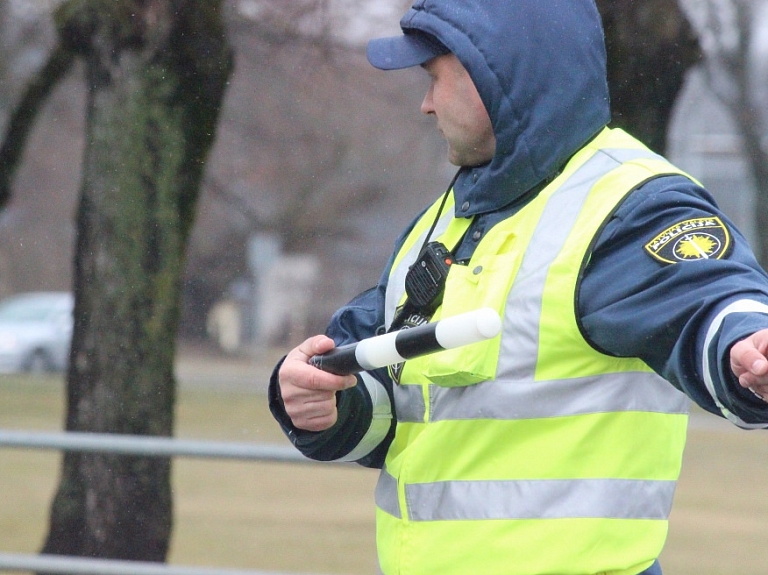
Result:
[
  {"x": 156, "y": 73},
  {"x": 738, "y": 98},
  {"x": 757, "y": 158},
  {"x": 650, "y": 46}
]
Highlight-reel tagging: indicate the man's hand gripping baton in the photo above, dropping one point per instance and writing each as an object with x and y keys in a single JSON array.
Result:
[{"x": 397, "y": 346}]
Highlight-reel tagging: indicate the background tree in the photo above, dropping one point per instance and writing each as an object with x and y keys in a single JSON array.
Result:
[
  {"x": 323, "y": 135},
  {"x": 314, "y": 145},
  {"x": 736, "y": 68},
  {"x": 156, "y": 72},
  {"x": 650, "y": 46}
]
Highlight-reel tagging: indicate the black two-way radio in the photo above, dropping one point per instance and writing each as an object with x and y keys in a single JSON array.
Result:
[{"x": 424, "y": 284}]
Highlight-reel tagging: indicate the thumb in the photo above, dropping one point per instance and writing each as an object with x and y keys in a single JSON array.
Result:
[{"x": 313, "y": 346}]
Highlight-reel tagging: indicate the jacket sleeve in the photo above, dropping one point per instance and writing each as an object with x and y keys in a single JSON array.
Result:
[
  {"x": 365, "y": 424},
  {"x": 366, "y": 421},
  {"x": 680, "y": 318}
]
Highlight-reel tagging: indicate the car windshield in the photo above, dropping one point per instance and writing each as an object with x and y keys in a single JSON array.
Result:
[{"x": 31, "y": 309}]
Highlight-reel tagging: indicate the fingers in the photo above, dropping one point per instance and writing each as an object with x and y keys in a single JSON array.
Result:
[
  {"x": 309, "y": 394},
  {"x": 312, "y": 346},
  {"x": 313, "y": 415},
  {"x": 749, "y": 364}
]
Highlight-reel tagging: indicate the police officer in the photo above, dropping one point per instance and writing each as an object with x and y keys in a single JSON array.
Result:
[{"x": 623, "y": 291}]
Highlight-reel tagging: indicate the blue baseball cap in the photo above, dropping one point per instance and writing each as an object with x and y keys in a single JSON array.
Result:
[{"x": 413, "y": 48}]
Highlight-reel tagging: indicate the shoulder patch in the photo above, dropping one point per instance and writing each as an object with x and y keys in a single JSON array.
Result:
[{"x": 689, "y": 240}]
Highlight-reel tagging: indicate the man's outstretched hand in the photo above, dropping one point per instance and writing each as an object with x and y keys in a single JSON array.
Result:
[{"x": 750, "y": 364}]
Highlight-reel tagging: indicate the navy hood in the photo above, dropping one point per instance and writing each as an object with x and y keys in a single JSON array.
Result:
[{"x": 540, "y": 69}]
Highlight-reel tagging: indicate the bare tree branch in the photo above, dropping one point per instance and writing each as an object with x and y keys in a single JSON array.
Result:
[{"x": 24, "y": 114}]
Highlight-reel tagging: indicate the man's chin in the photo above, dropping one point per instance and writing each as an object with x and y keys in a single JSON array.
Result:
[{"x": 466, "y": 160}]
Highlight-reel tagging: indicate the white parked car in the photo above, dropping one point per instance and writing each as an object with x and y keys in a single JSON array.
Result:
[{"x": 35, "y": 332}]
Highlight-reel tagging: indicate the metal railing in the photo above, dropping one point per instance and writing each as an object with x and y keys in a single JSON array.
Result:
[
  {"x": 149, "y": 446},
  {"x": 84, "y": 566},
  {"x": 132, "y": 445}
]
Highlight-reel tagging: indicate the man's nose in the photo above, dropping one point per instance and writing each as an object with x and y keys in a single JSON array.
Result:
[{"x": 426, "y": 103}]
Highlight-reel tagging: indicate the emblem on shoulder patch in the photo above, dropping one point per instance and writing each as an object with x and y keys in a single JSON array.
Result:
[{"x": 689, "y": 240}]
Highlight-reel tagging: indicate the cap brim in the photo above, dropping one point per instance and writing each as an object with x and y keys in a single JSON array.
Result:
[{"x": 404, "y": 51}]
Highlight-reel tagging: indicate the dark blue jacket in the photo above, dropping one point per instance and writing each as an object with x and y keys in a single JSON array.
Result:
[{"x": 539, "y": 66}]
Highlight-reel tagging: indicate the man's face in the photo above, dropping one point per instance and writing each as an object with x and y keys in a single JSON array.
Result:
[{"x": 460, "y": 113}]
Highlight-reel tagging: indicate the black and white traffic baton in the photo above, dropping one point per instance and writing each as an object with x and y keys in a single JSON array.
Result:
[{"x": 397, "y": 346}]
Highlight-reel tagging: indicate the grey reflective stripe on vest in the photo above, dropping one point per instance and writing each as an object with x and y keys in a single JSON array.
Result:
[
  {"x": 396, "y": 283},
  {"x": 519, "y": 344},
  {"x": 385, "y": 495},
  {"x": 409, "y": 400},
  {"x": 530, "y": 499},
  {"x": 505, "y": 399}
]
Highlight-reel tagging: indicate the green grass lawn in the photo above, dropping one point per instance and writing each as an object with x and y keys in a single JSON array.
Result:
[
  {"x": 320, "y": 519},
  {"x": 247, "y": 515}
]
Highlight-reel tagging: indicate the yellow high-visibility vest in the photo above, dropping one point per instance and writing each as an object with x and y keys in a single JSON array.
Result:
[{"x": 531, "y": 453}]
